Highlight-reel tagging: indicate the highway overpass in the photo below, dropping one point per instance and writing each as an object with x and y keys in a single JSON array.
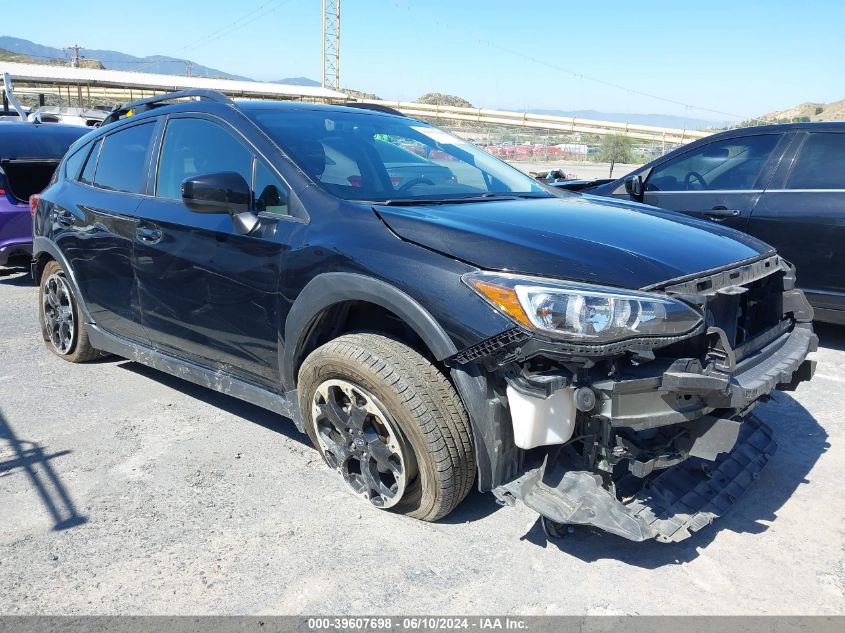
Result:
[{"x": 90, "y": 86}]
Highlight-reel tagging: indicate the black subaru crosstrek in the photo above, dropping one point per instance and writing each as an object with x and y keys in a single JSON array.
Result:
[{"x": 594, "y": 358}]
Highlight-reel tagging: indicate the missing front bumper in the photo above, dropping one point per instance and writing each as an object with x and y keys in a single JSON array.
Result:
[
  {"x": 670, "y": 507},
  {"x": 687, "y": 391}
]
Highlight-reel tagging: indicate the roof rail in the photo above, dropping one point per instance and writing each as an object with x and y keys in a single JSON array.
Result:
[
  {"x": 376, "y": 107},
  {"x": 142, "y": 105}
]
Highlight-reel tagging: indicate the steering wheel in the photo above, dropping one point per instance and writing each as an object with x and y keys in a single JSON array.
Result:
[
  {"x": 694, "y": 175},
  {"x": 414, "y": 182}
]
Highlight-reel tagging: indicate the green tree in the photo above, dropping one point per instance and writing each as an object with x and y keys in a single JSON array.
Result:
[{"x": 615, "y": 148}]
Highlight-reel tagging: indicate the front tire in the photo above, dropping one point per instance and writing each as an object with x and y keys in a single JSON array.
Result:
[
  {"x": 390, "y": 422},
  {"x": 62, "y": 327}
]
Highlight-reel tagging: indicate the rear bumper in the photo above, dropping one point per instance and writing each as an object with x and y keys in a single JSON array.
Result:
[
  {"x": 10, "y": 251},
  {"x": 15, "y": 231},
  {"x": 680, "y": 501}
]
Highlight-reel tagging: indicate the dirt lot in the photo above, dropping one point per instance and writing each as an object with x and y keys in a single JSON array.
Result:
[
  {"x": 123, "y": 490},
  {"x": 581, "y": 169}
]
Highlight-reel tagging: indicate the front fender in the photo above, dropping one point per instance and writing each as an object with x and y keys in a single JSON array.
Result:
[
  {"x": 332, "y": 288},
  {"x": 470, "y": 382}
]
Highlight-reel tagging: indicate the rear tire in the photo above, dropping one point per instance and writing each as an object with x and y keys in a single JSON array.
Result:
[
  {"x": 62, "y": 327},
  {"x": 390, "y": 423}
]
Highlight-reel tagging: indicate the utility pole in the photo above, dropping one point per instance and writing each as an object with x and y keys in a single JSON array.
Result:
[
  {"x": 76, "y": 59},
  {"x": 331, "y": 44},
  {"x": 76, "y": 62}
]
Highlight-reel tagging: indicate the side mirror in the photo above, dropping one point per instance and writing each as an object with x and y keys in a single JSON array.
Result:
[
  {"x": 224, "y": 192},
  {"x": 634, "y": 187}
]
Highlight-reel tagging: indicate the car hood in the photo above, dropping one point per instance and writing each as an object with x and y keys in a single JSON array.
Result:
[{"x": 579, "y": 237}]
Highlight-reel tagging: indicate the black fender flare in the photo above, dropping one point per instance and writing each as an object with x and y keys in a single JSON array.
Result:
[
  {"x": 329, "y": 289},
  {"x": 40, "y": 245},
  {"x": 332, "y": 288}
]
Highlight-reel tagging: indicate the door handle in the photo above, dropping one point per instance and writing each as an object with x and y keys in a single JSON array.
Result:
[
  {"x": 148, "y": 235},
  {"x": 719, "y": 213},
  {"x": 65, "y": 218}
]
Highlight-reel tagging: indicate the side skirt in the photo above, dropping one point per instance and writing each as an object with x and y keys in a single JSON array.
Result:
[{"x": 216, "y": 380}]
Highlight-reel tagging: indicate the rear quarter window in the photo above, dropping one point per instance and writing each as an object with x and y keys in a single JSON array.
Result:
[
  {"x": 73, "y": 164},
  {"x": 87, "y": 175}
]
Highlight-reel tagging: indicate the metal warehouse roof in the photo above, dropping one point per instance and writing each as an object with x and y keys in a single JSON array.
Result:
[{"x": 67, "y": 75}]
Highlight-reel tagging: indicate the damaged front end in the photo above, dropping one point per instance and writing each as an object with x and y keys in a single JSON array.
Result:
[{"x": 650, "y": 435}]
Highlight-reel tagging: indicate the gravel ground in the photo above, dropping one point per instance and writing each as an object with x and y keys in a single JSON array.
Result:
[
  {"x": 126, "y": 491},
  {"x": 582, "y": 169}
]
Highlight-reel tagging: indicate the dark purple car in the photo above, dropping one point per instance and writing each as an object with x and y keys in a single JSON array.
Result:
[{"x": 29, "y": 154}]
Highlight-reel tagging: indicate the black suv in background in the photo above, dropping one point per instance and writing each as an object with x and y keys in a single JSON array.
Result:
[
  {"x": 596, "y": 359},
  {"x": 784, "y": 184}
]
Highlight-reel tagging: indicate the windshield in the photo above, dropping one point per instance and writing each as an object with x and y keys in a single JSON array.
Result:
[{"x": 379, "y": 158}]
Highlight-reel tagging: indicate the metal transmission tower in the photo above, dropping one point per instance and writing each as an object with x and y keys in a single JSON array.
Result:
[
  {"x": 331, "y": 44},
  {"x": 76, "y": 60}
]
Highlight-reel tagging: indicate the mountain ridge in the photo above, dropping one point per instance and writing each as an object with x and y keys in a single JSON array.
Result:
[
  {"x": 167, "y": 65},
  {"x": 809, "y": 111},
  {"x": 115, "y": 60},
  {"x": 655, "y": 119}
]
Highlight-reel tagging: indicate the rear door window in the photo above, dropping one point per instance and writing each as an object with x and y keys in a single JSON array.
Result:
[
  {"x": 820, "y": 164},
  {"x": 193, "y": 147},
  {"x": 122, "y": 165},
  {"x": 732, "y": 164}
]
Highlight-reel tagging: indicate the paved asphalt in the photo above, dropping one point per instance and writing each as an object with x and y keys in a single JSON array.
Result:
[{"x": 124, "y": 490}]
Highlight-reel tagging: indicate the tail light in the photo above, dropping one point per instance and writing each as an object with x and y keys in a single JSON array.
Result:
[{"x": 34, "y": 199}]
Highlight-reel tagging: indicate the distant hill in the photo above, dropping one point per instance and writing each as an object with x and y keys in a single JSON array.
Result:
[
  {"x": 298, "y": 81},
  {"x": 9, "y": 56},
  {"x": 834, "y": 111},
  {"x": 357, "y": 94},
  {"x": 656, "y": 120},
  {"x": 438, "y": 98},
  {"x": 112, "y": 60}
]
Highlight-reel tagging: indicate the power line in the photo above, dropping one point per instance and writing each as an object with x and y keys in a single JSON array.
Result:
[
  {"x": 109, "y": 61},
  {"x": 261, "y": 11},
  {"x": 611, "y": 84},
  {"x": 578, "y": 75}
]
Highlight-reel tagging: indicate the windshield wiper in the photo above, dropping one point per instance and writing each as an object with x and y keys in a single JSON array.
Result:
[{"x": 485, "y": 197}]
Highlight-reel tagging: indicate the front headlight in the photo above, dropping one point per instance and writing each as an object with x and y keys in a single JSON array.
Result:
[{"x": 581, "y": 312}]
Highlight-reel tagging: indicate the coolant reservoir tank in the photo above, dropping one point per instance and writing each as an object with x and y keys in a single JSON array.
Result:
[{"x": 538, "y": 421}]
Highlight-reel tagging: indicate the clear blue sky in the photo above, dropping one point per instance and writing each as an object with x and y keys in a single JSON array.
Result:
[{"x": 738, "y": 56}]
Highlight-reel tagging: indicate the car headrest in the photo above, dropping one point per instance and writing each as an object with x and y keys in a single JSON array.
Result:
[{"x": 310, "y": 155}]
